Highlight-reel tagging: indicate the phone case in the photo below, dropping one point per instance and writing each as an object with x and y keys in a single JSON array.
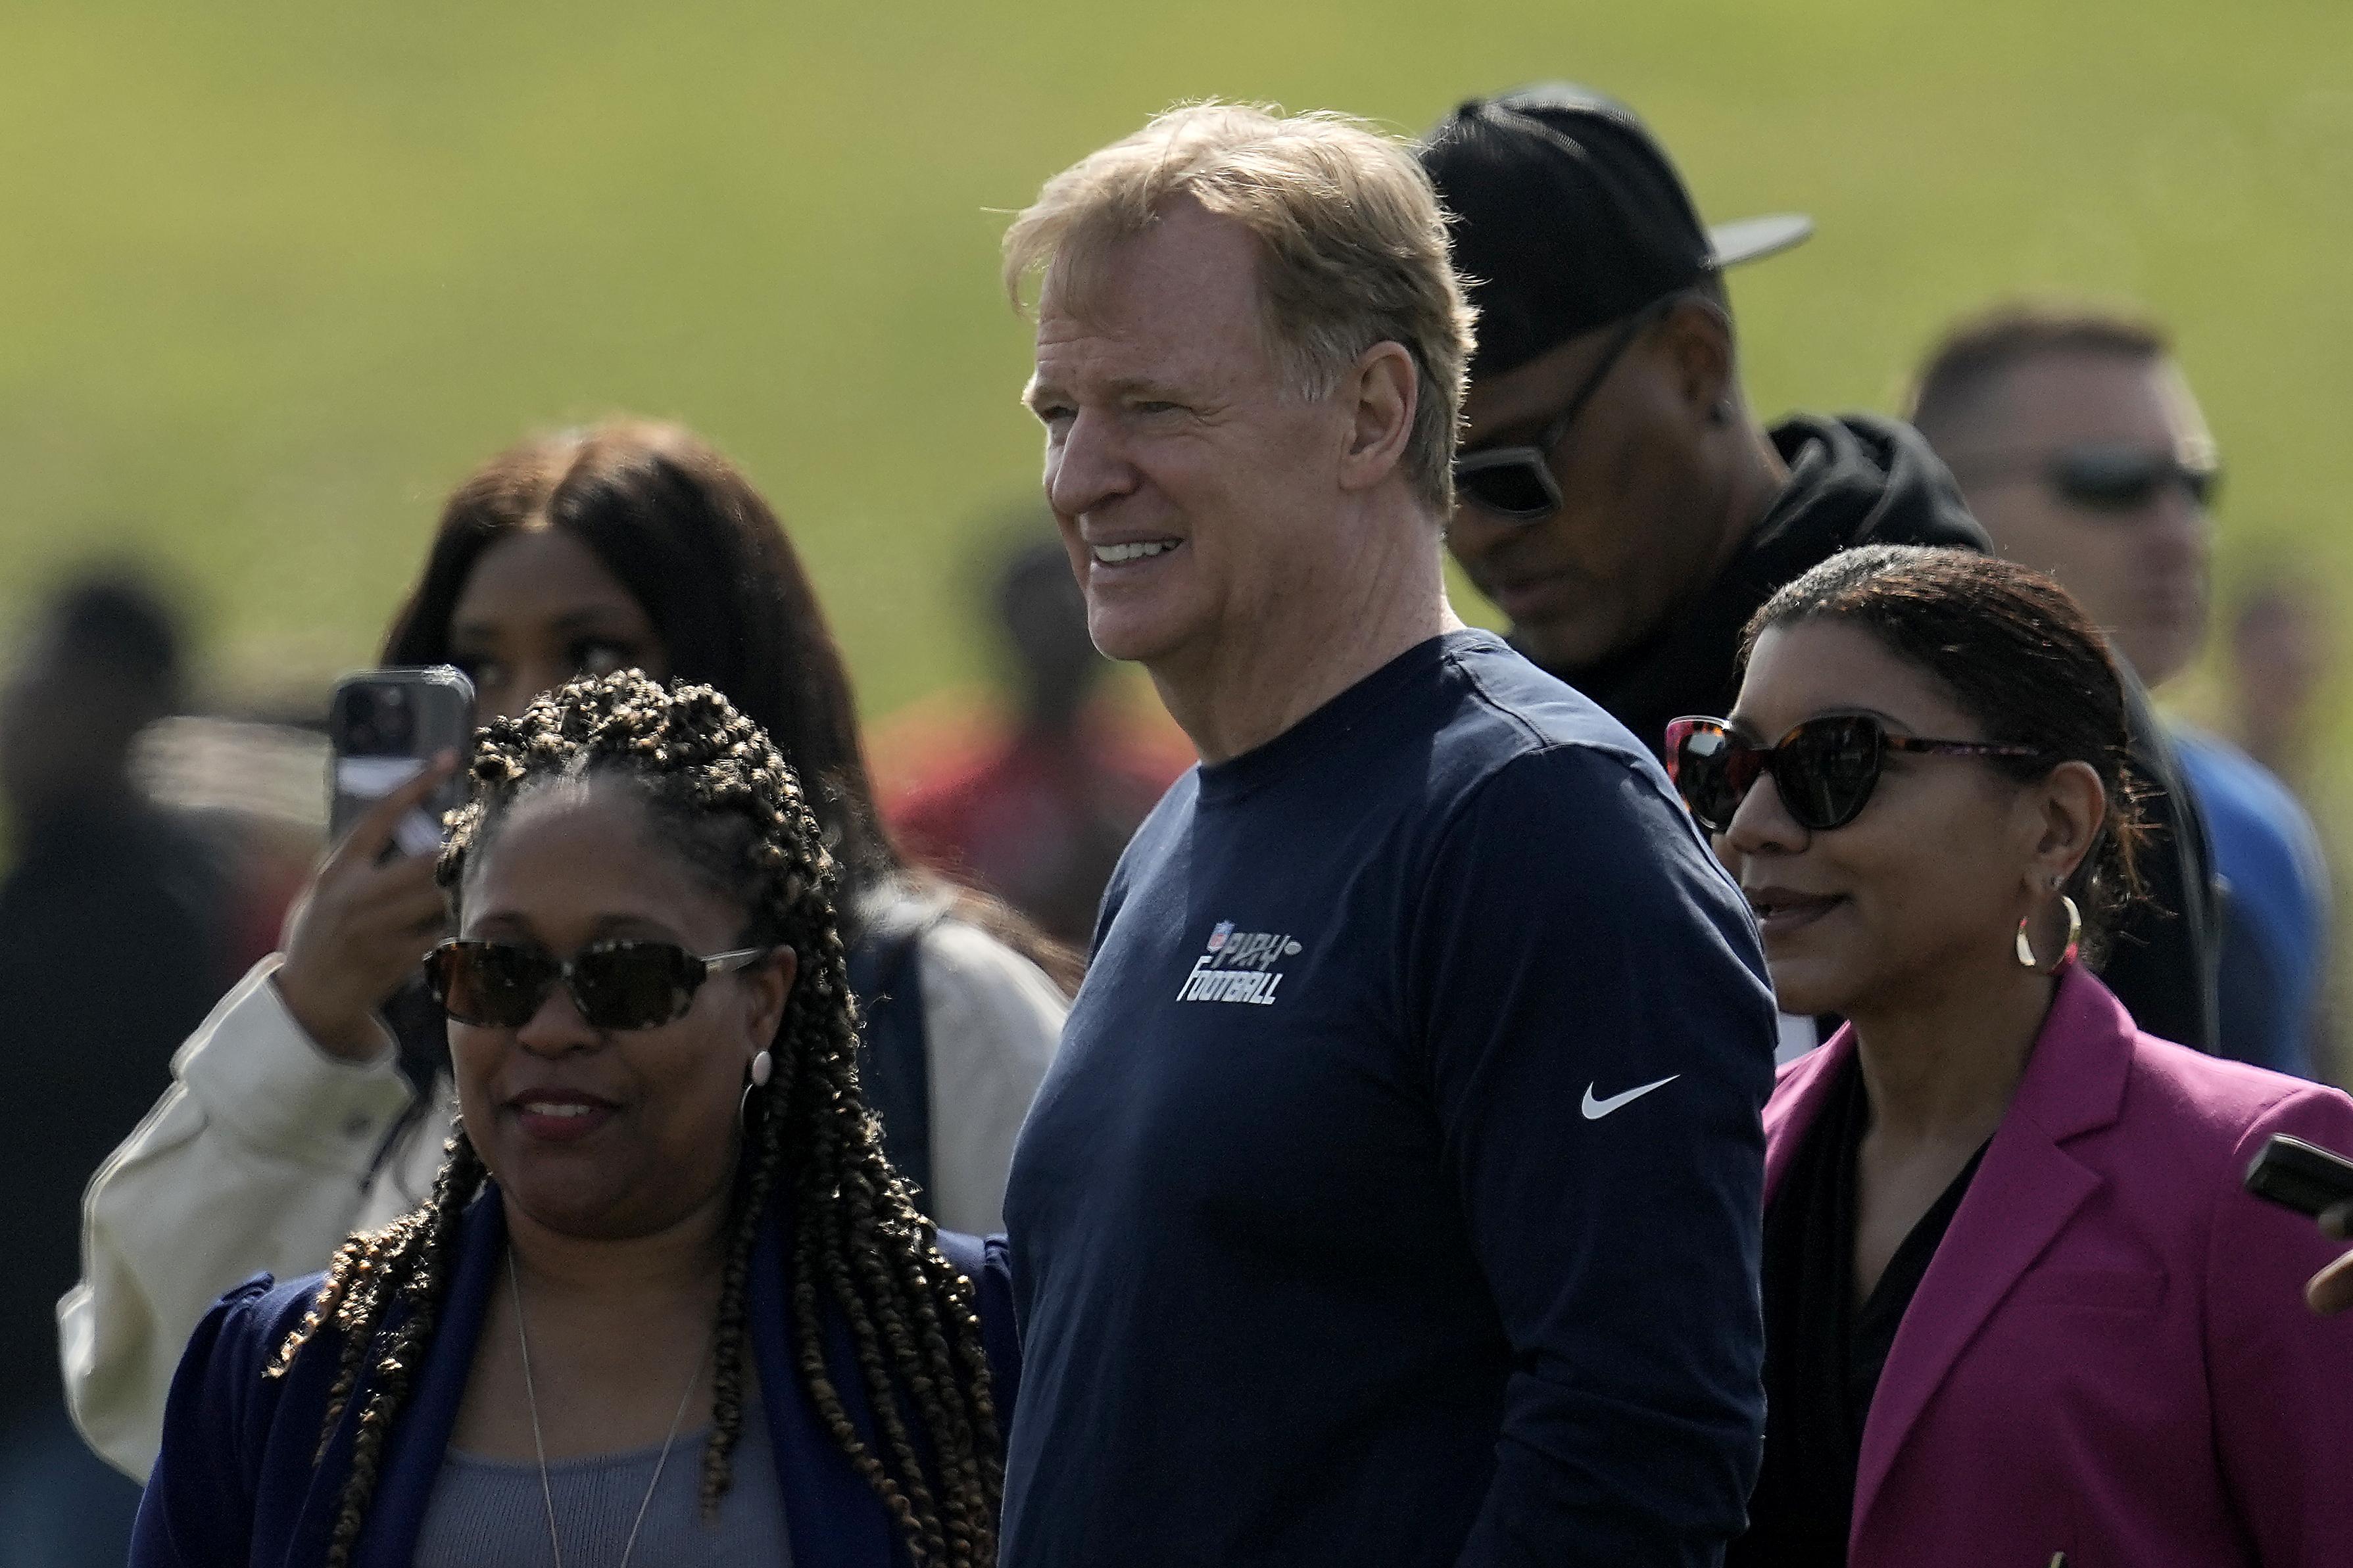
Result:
[
  {"x": 383, "y": 726},
  {"x": 2302, "y": 1176}
]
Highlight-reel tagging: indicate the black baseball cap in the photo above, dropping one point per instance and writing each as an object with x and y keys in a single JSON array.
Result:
[{"x": 1568, "y": 215}]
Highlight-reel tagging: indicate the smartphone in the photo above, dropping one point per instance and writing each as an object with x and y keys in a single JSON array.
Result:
[
  {"x": 383, "y": 726},
  {"x": 2301, "y": 1176}
]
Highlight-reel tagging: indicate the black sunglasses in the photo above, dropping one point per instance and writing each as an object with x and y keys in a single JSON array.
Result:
[
  {"x": 1515, "y": 483},
  {"x": 616, "y": 984},
  {"x": 2110, "y": 479},
  {"x": 1825, "y": 768}
]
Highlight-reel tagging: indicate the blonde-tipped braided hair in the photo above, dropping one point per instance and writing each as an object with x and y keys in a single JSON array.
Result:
[{"x": 715, "y": 790}]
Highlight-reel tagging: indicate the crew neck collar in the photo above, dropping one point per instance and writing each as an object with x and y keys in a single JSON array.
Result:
[{"x": 1364, "y": 711}]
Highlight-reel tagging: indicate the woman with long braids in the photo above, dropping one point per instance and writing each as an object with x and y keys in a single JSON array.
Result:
[
  {"x": 293, "y": 1121},
  {"x": 669, "y": 1302},
  {"x": 2017, "y": 1306}
]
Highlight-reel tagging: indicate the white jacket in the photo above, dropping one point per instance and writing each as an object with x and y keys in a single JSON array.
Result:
[{"x": 258, "y": 1158}]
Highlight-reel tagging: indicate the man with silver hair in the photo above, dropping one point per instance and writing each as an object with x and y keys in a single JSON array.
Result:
[{"x": 1394, "y": 1196}]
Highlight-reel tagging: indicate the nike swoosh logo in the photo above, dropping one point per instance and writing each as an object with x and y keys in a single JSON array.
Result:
[{"x": 1595, "y": 1109}]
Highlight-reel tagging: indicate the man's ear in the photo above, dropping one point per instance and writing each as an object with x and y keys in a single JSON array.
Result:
[
  {"x": 1699, "y": 345},
  {"x": 1380, "y": 394}
]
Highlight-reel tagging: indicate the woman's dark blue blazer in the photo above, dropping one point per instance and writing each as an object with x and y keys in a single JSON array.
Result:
[{"x": 236, "y": 1482}]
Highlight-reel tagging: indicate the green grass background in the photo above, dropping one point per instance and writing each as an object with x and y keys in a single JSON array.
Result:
[{"x": 273, "y": 276}]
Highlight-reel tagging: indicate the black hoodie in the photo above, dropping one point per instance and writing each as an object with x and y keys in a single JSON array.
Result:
[{"x": 1858, "y": 481}]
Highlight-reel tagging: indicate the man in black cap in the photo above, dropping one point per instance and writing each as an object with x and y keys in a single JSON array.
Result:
[{"x": 1618, "y": 501}]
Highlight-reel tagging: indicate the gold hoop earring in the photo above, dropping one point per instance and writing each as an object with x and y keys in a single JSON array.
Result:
[{"x": 2026, "y": 958}]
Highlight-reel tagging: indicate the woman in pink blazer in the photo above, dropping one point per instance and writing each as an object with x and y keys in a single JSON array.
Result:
[{"x": 2016, "y": 1302}]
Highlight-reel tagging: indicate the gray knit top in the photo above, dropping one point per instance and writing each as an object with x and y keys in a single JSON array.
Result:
[{"x": 489, "y": 1513}]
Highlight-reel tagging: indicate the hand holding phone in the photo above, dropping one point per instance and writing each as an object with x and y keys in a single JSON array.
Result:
[
  {"x": 2331, "y": 1291},
  {"x": 2315, "y": 1182},
  {"x": 364, "y": 924},
  {"x": 2302, "y": 1176},
  {"x": 373, "y": 910}
]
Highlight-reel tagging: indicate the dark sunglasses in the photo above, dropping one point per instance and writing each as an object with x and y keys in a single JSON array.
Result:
[
  {"x": 616, "y": 984},
  {"x": 1516, "y": 483},
  {"x": 1825, "y": 769},
  {"x": 2112, "y": 479}
]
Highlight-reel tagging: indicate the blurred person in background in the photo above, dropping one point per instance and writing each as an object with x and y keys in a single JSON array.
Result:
[
  {"x": 299, "y": 1116},
  {"x": 2016, "y": 1300},
  {"x": 1317, "y": 1260},
  {"x": 110, "y": 952},
  {"x": 252, "y": 782},
  {"x": 2280, "y": 654},
  {"x": 1040, "y": 818},
  {"x": 2077, "y": 444},
  {"x": 1617, "y": 499}
]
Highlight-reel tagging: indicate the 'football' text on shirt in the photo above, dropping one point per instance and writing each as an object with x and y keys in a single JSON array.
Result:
[{"x": 1238, "y": 966}]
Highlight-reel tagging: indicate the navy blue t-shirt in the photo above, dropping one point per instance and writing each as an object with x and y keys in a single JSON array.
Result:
[{"x": 1395, "y": 1198}]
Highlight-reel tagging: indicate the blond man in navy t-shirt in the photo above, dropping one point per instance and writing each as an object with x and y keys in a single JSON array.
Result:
[{"x": 1395, "y": 1198}]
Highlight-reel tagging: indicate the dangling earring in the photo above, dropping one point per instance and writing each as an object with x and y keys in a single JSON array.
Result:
[
  {"x": 764, "y": 1067},
  {"x": 2026, "y": 958}
]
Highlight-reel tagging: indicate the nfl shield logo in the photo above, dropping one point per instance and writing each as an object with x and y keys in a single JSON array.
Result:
[{"x": 1218, "y": 937}]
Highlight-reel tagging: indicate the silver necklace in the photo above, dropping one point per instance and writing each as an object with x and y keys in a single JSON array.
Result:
[{"x": 539, "y": 1442}]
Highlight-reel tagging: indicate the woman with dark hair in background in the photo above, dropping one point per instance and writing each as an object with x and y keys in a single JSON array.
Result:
[
  {"x": 295, "y": 1121},
  {"x": 2016, "y": 1301},
  {"x": 665, "y": 1195}
]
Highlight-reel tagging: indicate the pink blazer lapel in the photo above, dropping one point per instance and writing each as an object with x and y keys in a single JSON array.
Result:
[
  {"x": 1797, "y": 1097},
  {"x": 2025, "y": 1191}
]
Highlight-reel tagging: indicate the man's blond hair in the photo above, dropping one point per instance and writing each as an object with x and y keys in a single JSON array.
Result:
[{"x": 1352, "y": 240}]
